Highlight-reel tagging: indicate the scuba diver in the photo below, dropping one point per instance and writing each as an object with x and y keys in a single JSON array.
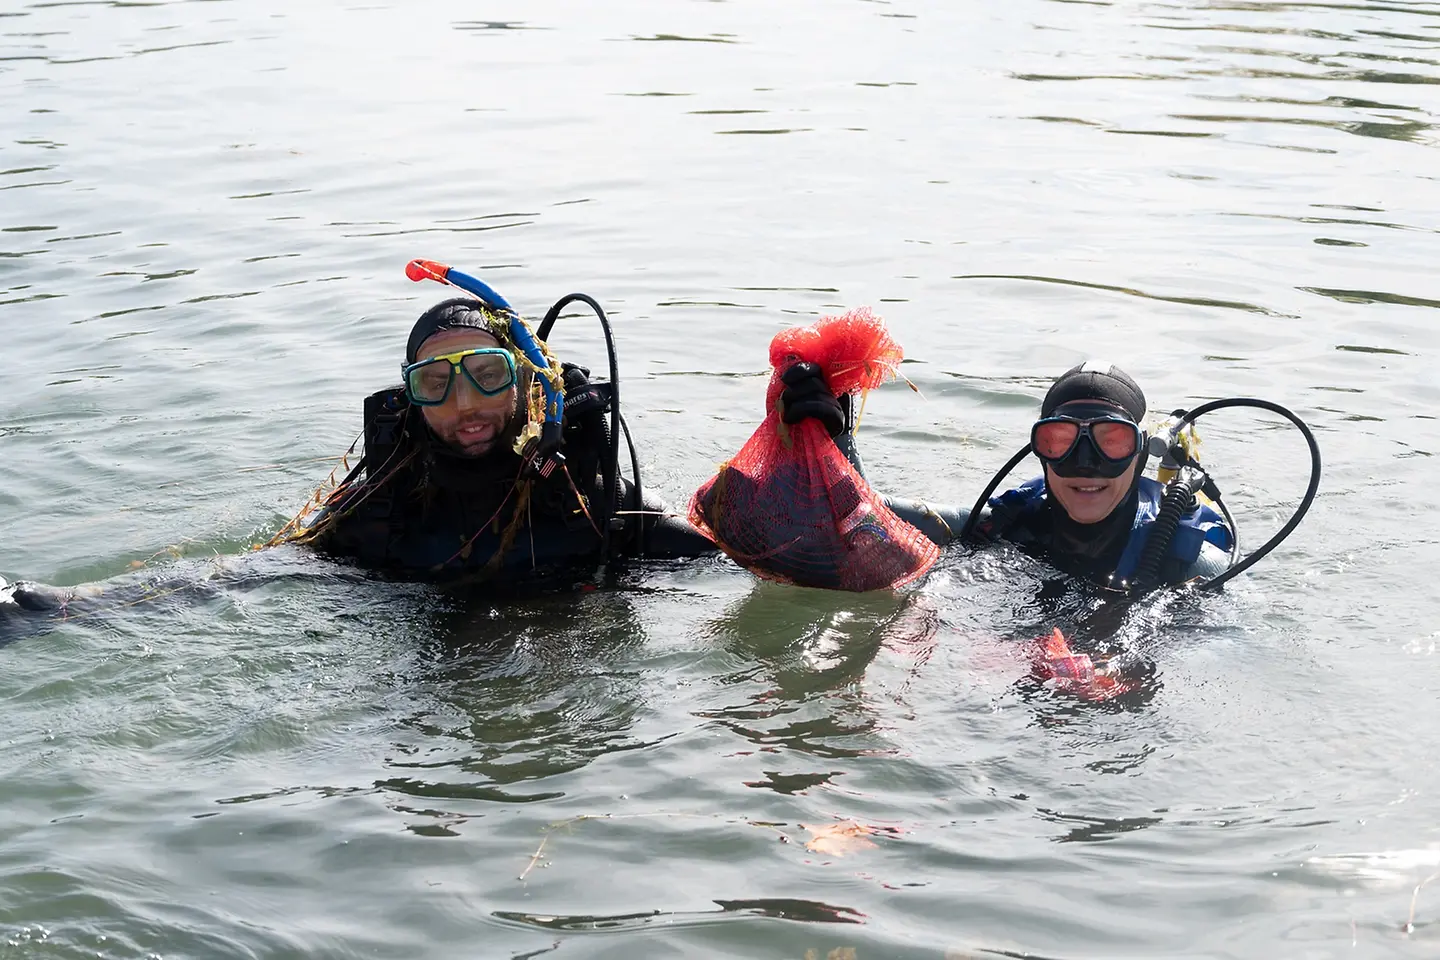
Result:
[
  {"x": 492, "y": 463},
  {"x": 1090, "y": 514},
  {"x": 477, "y": 468}
]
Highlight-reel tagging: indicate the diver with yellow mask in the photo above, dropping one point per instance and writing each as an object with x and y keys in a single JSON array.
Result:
[{"x": 492, "y": 462}]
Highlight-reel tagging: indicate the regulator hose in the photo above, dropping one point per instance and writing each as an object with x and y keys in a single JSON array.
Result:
[
  {"x": 967, "y": 532},
  {"x": 1256, "y": 555},
  {"x": 610, "y": 467},
  {"x": 1178, "y": 500}
]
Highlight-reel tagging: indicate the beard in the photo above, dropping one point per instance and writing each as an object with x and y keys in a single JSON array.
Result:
[{"x": 477, "y": 436}]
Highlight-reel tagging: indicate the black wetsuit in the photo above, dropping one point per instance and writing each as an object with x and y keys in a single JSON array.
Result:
[{"x": 416, "y": 511}]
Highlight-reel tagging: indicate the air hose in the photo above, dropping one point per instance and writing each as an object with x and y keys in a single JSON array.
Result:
[
  {"x": 1178, "y": 500},
  {"x": 967, "y": 532},
  {"x": 610, "y": 468},
  {"x": 1254, "y": 557}
]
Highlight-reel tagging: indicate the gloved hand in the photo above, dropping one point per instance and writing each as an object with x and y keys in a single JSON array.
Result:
[
  {"x": 574, "y": 376},
  {"x": 582, "y": 395},
  {"x": 1053, "y": 661},
  {"x": 807, "y": 395}
]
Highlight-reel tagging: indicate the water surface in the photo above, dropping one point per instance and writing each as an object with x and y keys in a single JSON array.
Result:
[{"x": 205, "y": 210}]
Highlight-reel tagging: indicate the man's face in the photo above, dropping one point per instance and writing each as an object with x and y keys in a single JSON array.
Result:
[
  {"x": 468, "y": 422},
  {"x": 1081, "y": 487}
]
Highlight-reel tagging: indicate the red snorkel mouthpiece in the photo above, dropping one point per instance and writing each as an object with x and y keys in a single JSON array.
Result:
[{"x": 418, "y": 270}]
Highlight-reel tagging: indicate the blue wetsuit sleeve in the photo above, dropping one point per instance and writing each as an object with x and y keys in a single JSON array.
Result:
[{"x": 1211, "y": 562}]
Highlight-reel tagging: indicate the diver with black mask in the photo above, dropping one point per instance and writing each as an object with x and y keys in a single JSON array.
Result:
[{"x": 1091, "y": 512}]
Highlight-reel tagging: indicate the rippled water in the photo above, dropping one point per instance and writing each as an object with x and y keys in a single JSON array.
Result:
[{"x": 205, "y": 208}]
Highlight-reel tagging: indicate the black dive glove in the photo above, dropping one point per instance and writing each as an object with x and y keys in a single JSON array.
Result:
[
  {"x": 807, "y": 395},
  {"x": 574, "y": 376},
  {"x": 582, "y": 395}
]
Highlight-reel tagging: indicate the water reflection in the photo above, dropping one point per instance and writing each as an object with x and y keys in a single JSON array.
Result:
[
  {"x": 677, "y": 38},
  {"x": 1130, "y": 291},
  {"x": 1400, "y": 130},
  {"x": 806, "y": 911},
  {"x": 475, "y": 25},
  {"x": 804, "y": 655},
  {"x": 520, "y": 693},
  {"x": 1094, "y": 829},
  {"x": 1372, "y": 296},
  {"x": 1334, "y": 220},
  {"x": 1327, "y": 55}
]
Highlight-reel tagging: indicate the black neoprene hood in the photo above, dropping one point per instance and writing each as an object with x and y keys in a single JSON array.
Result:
[
  {"x": 450, "y": 315},
  {"x": 1096, "y": 380}
]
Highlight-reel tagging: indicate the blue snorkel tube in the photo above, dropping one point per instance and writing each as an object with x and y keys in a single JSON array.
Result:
[{"x": 418, "y": 270}]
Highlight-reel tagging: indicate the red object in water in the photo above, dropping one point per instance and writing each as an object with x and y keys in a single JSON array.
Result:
[
  {"x": 1075, "y": 672},
  {"x": 418, "y": 270},
  {"x": 789, "y": 506}
]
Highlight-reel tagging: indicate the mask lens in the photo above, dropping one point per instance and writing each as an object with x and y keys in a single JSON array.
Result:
[
  {"x": 491, "y": 373},
  {"x": 1052, "y": 439},
  {"x": 1117, "y": 441},
  {"x": 429, "y": 382}
]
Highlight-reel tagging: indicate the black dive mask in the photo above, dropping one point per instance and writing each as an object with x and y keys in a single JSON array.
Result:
[{"x": 1087, "y": 440}]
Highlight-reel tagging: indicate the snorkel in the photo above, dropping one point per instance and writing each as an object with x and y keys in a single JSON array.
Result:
[{"x": 547, "y": 449}]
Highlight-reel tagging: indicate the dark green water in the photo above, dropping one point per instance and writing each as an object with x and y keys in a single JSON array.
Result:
[{"x": 205, "y": 210}]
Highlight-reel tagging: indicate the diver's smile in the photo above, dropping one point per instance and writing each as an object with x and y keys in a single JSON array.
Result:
[
  {"x": 1085, "y": 486},
  {"x": 1090, "y": 499},
  {"x": 476, "y": 431},
  {"x": 478, "y": 436}
]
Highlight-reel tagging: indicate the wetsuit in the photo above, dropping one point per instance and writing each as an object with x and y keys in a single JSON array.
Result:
[
  {"x": 414, "y": 510},
  {"x": 1104, "y": 553}
]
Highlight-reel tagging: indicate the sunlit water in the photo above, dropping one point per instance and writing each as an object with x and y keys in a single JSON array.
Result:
[{"x": 205, "y": 209}]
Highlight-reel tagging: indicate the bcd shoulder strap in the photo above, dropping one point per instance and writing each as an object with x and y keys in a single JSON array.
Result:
[
  {"x": 384, "y": 428},
  {"x": 384, "y": 412}
]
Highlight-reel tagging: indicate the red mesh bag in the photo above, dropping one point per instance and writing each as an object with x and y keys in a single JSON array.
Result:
[{"x": 789, "y": 506}]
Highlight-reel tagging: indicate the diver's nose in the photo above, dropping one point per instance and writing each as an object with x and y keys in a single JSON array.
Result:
[
  {"x": 1087, "y": 458},
  {"x": 466, "y": 396}
]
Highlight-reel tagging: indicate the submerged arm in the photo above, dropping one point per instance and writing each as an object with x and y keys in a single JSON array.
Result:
[
  {"x": 667, "y": 534},
  {"x": 940, "y": 522}
]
